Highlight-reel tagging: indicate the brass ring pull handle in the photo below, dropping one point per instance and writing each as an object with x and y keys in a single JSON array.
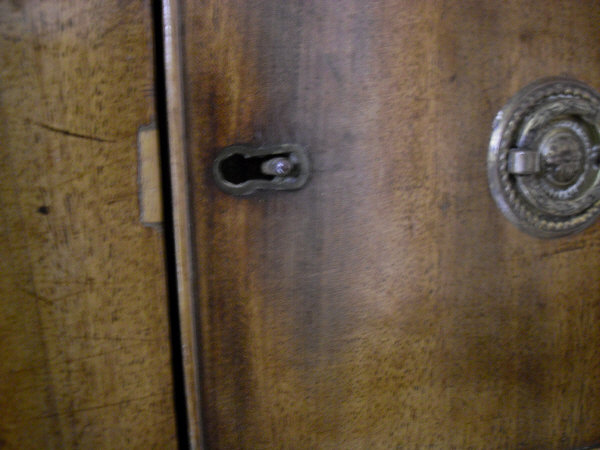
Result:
[{"x": 544, "y": 158}]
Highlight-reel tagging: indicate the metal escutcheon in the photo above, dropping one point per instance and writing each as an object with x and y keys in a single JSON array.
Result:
[
  {"x": 544, "y": 158},
  {"x": 243, "y": 170}
]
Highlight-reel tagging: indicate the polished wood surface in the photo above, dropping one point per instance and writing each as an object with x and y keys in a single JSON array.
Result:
[
  {"x": 181, "y": 214},
  {"x": 388, "y": 304},
  {"x": 84, "y": 348}
]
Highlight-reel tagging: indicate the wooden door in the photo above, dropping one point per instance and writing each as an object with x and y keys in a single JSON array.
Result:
[
  {"x": 388, "y": 304},
  {"x": 85, "y": 358}
]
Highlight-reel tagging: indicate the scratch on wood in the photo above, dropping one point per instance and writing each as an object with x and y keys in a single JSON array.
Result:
[
  {"x": 562, "y": 250},
  {"x": 36, "y": 296},
  {"x": 101, "y": 338},
  {"x": 91, "y": 408},
  {"x": 72, "y": 133}
]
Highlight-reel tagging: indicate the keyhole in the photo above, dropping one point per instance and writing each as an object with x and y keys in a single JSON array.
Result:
[
  {"x": 238, "y": 169},
  {"x": 242, "y": 170}
]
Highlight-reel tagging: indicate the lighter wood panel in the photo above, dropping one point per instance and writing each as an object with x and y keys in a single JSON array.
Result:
[{"x": 85, "y": 349}]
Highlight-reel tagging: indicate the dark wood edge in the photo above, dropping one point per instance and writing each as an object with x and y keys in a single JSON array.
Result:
[{"x": 181, "y": 217}]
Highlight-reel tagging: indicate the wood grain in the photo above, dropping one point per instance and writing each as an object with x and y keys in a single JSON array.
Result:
[
  {"x": 388, "y": 304},
  {"x": 84, "y": 331}
]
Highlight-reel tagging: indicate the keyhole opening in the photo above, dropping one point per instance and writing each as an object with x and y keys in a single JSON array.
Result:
[
  {"x": 242, "y": 170},
  {"x": 238, "y": 169}
]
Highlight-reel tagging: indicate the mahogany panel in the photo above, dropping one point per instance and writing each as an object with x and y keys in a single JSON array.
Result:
[{"x": 388, "y": 303}]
